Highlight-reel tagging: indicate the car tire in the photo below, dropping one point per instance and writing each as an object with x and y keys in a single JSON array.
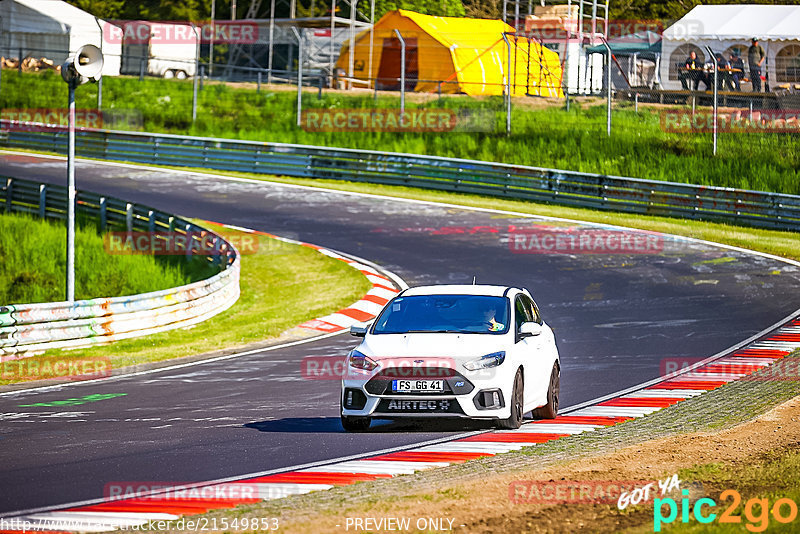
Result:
[
  {"x": 355, "y": 424},
  {"x": 181, "y": 75},
  {"x": 168, "y": 74},
  {"x": 550, "y": 410},
  {"x": 514, "y": 421}
]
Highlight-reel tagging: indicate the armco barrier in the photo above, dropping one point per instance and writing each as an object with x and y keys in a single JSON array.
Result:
[
  {"x": 29, "y": 328},
  {"x": 650, "y": 197}
]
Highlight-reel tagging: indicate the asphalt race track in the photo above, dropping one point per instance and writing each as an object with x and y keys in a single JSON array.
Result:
[{"x": 616, "y": 316}]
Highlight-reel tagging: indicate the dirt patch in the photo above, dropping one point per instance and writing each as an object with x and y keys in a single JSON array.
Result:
[{"x": 484, "y": 505}]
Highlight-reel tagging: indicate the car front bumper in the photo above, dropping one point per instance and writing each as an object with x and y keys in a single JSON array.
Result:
[{"x": 474, "y": 397}]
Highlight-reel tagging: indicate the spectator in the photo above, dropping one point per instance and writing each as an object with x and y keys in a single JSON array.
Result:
[
  {"x": 738, "y": 70},
  {"x": 755, "y": 58},
  {"x": 692, "y": 71},
  {"x": 723, "y": 72},
  {"x": 707, "y": 75}
]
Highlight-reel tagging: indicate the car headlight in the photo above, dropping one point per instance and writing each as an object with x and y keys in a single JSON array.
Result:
[
  {"x": 484, "y": 362},
  {"x": 359, "y": 361}
]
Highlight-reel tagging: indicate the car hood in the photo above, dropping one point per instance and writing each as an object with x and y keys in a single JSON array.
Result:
[{"x": 456, "y": 346}]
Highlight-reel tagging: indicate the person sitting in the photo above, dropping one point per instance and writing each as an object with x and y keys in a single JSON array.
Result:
[
  {"x": 723, "y": 72},
  {"x": 737, "y": 72},
  {"x": 706, "y": 75},
  {"x": 692, "y": 72},
  {"x": 490, "y": 321}
]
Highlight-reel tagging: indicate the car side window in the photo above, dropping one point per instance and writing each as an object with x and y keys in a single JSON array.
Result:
[
  {"x": 523, "y": 315},
  {"x": 533, "y": 310}
]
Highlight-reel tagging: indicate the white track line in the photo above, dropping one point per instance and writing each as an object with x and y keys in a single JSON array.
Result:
[
  {"x": 616, "y": 411},
  {"x": 375, "y": 467},
  {"x": 663, "y": 393},
  {"x": 555, "y": 428}
]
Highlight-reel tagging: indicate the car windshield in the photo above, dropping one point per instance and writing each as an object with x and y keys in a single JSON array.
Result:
[{"x": 464, "y": 314}]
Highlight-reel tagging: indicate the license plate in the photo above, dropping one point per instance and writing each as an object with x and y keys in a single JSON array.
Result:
[{"x": 417, "y": 385}]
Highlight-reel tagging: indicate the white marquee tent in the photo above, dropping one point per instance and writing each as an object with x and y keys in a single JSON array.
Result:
[
  {"x": 730, "y": 27},
  {"x": 53, "y": 29}
]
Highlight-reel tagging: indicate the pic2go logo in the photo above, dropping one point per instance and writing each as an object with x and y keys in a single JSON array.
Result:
[{"x": 756, "y": 511}]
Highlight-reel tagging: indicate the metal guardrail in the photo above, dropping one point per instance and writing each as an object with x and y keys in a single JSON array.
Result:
[
  {"x": 32, "y": 328},
  {"x": 596, "y": 191}
]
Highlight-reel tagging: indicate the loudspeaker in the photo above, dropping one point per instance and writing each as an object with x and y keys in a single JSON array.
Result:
[{"x": 86, "y": 65}]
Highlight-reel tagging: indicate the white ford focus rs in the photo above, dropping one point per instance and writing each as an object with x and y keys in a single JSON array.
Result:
[{"x": 470, "y": 351}]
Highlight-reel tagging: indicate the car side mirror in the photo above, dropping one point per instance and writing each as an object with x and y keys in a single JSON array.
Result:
[
  {"x": 530, "y": 329},
  {"x": 359, "y": 330}
]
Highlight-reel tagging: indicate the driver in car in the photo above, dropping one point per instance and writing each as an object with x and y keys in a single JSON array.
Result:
[{"x": 490, "y": 322}]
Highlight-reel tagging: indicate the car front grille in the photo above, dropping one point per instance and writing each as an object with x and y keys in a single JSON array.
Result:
[{"x": 454, "y": 382}]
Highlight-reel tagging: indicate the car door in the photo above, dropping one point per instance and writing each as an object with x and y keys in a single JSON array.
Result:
[
  {"x": 525, "y": 347},
  {"x": 547, "y": 340},
  {"x": 538, "y": 364}
]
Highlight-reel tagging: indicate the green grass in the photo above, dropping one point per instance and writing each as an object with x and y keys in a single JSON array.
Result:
[
  {"x": 275, "y": 283},
  {"x": 33, "y": 263},
  {"x": 547, "y": 137}
]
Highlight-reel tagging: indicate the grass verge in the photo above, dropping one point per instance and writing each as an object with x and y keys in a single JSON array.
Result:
[
  {"x": 33, "y": 264},
  {"x": 543, "y": 135},
  {"x": 275, "y": 281}
]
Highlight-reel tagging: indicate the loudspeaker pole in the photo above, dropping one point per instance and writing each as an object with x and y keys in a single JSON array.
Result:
[
  {"x": 86, "y": 65},
  {"x": 71, "y": 196}
]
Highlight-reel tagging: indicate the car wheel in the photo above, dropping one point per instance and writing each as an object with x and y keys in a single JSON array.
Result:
[
  {"x": 168, "y": 74},
  {"x": 515, "y": 419},
  {"x": 355, "y": 424},
  {"x": 550, "y": 410},
  {"x": 181, "y": 75}
]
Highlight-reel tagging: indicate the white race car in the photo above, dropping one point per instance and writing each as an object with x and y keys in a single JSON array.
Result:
[{"x": 472, "y": 351}]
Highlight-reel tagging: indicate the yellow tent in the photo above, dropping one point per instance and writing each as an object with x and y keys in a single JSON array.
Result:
[{"x": 462, "y": 55}]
